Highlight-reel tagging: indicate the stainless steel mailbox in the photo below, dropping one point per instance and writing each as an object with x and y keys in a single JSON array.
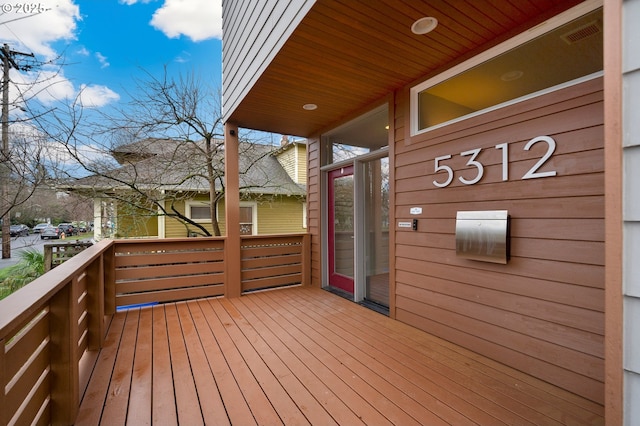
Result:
[{"x": 483, "y": 235}]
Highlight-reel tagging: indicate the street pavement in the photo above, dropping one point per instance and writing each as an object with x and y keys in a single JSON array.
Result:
[{"x": 19, "y": 244}]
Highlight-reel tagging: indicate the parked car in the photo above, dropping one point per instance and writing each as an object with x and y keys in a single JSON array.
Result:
[
  {"x": 82, "y": 226},
  {"x": 19, "y": 230},
  {"x": 39, "y": 227},
  {"x": 51, "y": 231},
  {"x": 68, "y": 229}
]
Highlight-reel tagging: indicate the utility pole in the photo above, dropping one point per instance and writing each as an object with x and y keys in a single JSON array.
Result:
[{"x": 8, "y": 62}]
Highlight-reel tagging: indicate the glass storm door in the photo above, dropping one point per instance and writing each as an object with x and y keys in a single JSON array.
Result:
[
  {"x": 341, "y": 227},
  {"x": 376, "y": 236}
]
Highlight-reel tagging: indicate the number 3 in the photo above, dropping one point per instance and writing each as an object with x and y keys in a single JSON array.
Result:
[{"x": 472, "y": 162}]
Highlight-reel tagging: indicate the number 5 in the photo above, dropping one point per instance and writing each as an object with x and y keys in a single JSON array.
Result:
[{"x": 438, "y": 167}]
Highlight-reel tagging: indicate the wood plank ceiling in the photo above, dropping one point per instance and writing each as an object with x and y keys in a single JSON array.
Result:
[{"x": 347, "y": 54}]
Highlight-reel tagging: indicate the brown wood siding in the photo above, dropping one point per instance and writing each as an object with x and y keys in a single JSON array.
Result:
[
  {"x": 313, "y": 209},
  {"x": 543, "y": 312}
]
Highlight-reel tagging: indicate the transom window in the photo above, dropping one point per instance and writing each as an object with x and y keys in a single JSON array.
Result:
[{"x": 528, "y": 64}]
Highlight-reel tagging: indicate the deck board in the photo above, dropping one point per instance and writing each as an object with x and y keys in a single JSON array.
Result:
[
  {"x": 163, "y": 398},
  {"x": 444, "y": 383},
  {"x": 304, "y": 356},
  {"x": 186, "y": 396},
  {"x": 117, "y": 400}
]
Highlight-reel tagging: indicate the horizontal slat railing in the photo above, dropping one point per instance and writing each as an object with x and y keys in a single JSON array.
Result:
[
  {"x": 48, "y": 330},
  {"x": 151, "y": 271},
  {"x": 51, "y": 330},
  {"x": 274, "y": 261}
]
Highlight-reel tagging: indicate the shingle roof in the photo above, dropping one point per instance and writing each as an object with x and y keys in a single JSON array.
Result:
[{"x": 176, "y": 165}]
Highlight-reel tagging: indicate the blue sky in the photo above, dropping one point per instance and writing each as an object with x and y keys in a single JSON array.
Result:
[{"x": 106, "y": 44}]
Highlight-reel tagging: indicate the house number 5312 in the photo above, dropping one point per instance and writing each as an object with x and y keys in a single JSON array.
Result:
[{"x": 533, "y": 172}]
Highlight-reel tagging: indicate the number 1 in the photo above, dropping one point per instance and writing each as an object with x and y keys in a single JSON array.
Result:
[{"x": 505, "y": 160}]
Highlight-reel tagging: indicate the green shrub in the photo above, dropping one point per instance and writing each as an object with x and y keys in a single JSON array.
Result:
[{"x": 30, "y": 267}]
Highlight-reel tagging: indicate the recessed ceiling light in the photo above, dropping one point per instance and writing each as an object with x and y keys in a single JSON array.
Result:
[
  {"x": 424, "y": 25},
  {"x": 310, "y": 107},
  {"x": 511, "y": 75}
]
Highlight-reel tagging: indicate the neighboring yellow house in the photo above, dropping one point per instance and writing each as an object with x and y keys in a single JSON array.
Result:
[{"x": 273, "y": 195}]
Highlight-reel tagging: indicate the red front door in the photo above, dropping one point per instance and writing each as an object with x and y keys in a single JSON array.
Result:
[{"x": 341, "y": 226}]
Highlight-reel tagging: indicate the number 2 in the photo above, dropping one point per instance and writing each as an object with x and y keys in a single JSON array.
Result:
[{"x": 551, "y": 147}]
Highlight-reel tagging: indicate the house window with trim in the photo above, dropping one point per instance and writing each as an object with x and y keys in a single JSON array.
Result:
[
  {"x": 248, "y": 218},
  {"x": 198, "y": 211}
]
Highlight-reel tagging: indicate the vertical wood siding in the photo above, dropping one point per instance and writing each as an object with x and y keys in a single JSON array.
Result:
[{"x": 543, "y": 312}]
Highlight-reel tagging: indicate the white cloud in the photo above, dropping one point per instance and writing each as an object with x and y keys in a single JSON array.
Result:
[
  {"x": 58, "y": 155},
  {"x": 104, "y": 63},
  {"x": 183, "y": 57},
  {"x": 35, "y": 33},
  {"x": 130, "y": 2},
  {"x": 47, "y": 86},
  {"x": 97, "y": 96},
  {"x": 197, "y": 19},
  {"x": 50, "y": 87}
]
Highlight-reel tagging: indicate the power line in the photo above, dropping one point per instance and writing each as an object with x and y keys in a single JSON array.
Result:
[
  {"x": 7, "y": 55},
  {"x": 8, "y": 61}
]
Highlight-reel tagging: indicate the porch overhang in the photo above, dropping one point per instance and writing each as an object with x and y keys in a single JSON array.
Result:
[{"x": 344, "y": 59}]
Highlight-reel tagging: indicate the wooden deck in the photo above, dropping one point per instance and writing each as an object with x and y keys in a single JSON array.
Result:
[{"x": 304, "y": 356}]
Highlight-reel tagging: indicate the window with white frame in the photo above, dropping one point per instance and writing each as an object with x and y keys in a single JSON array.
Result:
[
  {"x": 248, "y": 218},
  {"x": 568, "y": 48},
  {"x": 198, "y": 211}
]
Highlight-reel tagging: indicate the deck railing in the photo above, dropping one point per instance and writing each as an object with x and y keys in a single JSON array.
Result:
[{"x": 51, "y": 330}]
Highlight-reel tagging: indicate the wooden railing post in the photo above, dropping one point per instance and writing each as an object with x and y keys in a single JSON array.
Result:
[
  {"x": 109, "y": 268},
  {"x": 48, "y": 257},
  {"x": 306, "y": 259},
  {"x": 4, "y": 415},
  {"x": 233, "y": 284},
  {"x": 95, "y": 305},
  {"x": 65, "y": 393}
]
